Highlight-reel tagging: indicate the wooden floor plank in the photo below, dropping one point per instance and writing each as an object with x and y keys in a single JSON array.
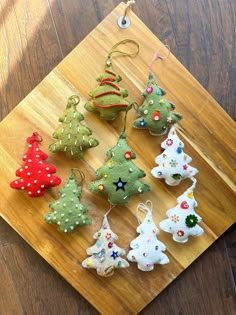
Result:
[
  {"x": 29, "y": 49},
  {"x": 48, "y": 292},
  {"x": 8, "y": 290},
  {"x": 207, "y": 30},
  {"x": 230, "y": 243},
  {"x": 196, "y": 291}
]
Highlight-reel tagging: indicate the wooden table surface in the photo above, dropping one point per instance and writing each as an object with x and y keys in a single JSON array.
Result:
[{"x": 34, "y": 37}]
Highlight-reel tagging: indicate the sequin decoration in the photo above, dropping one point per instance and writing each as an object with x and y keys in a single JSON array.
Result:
[
  {"x": 147, "y": 250},
  {"x": 173, "y": 162},
  {"x": 109, "y": 256},
  {"x": 182, "y": 220}
]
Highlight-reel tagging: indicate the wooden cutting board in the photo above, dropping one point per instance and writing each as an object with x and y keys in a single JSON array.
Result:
[{"x": 209, "y": 137}]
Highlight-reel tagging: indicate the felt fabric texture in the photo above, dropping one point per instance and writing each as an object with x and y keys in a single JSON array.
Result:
[
  {"x": 68, "y": 212},
  {"x": 173, "y": 163},
  {"x": 182, "y": 220},
  {"x": 108, "y": 98},
  {"x": 119, "y": 177},
  {"x": 105, "y": 254},
  {"x": 35, "y": 175},
  {"x": 72, "y": 137},
  {"x": 156, "y": 112},
  {"x": 147, "y": 250}
]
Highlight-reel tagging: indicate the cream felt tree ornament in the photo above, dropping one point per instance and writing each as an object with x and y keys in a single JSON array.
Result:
[
  {"x": 108, "y": 98},
  {"x": 105, "y": 255},
  {"x": 173, "y": 163},
  {"x": 35, "y": 175},
  {"x": 147, "y": 250},
  {"x": 156, "y": 113},
  {"x": 67, "y": 211},
  {"x": 72, "y": 137},
  {"x": 182, "y": 220}
]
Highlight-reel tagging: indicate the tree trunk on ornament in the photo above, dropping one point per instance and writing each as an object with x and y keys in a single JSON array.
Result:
[
  {"x": 156, "y": 112},
  {"x": 35, "y": 175}
]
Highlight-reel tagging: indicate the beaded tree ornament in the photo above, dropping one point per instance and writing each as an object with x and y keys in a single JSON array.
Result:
[
  {"x": 119, "y": 177},
  {"x": 68, "y": 212},
  {"x": 182, "y": 220},
  {"x": 173, "y": 163},
  {"x": 72, "y": 137},
  {"x": 105, "y": 255},
  {"x": 156, "y": 112},
  {"x": 147, "y": 250},
  {"x": 35, "y": 175},
  {"x": 108, "y": 98}
]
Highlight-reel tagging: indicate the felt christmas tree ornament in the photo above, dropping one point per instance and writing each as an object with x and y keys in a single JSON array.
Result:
[
  {"x": 173, "y": 163},
  {"x": 182, "y": 220},
  {"x": 72, "y": 137},
  {"x": 35, "y": 175},
  {"x": 119, "y": 177},
  {"x": 68, "y": 212},
  {"x": 147, "y": 250},
  {"x": 105, "y": 255},
  {"x": 108, "y": 98},
  {"x": 156, "y": 113}
]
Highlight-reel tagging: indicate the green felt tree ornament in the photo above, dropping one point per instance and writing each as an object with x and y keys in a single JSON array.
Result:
[
  {"x": 156, "y": 113},
  {"x": 108, "y": 98},
  {"x": 67, "y": 211},
  {"x": 72, "y": 137},
  {"x": 119, "y": 178}
]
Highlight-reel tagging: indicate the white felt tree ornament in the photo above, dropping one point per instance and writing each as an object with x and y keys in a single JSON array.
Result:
[
  {"x": 147, "y": 250},
  {"x": 105, "y": 254},
  {"x": 173, "y": 163},
  {"x": 182, "y": 220}
]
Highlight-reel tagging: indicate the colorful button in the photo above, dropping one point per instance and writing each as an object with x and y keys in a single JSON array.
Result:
[
  {"x": 156, "y": 116},
  {"x": 149, "y": 90}
]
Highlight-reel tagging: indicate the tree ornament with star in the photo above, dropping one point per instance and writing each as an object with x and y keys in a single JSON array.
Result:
[
  {"x": 156, "y": 113},
  {"x": 182, "y": 220},
  {"x": 35, "y": 175},
  {"x": 67, "y": 211},
  {"x": 173, "y": 163},
  {"x": 105, "y": 255},
  {"x": 108, "y": 98},
  {"x": 72, "y": 137},
  {"x": 119, "y": 177},
  {"x": 147, "y": 250}
]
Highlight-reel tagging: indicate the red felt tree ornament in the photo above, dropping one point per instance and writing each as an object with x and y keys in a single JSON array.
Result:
[{"x": 35, "y": 175}]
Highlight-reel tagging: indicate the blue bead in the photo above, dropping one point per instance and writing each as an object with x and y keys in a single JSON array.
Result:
[
  {"x": 142, "y": 123},
  {"x": 179, "y": 150},
  {"x": 159, "y": 92},
  {"x": 159, "y": 173}
]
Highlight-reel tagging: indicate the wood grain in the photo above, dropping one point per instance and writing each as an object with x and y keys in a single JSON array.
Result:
[
  {"x": 25, "y": 54},
  {"x": 162, "y": 26}
]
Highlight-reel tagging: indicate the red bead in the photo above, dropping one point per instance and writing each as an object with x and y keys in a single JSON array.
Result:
[
  {"x": 180, "y": 233},
  {"x": 128, "y": 155},
  {"x": 149, "y": 90}
]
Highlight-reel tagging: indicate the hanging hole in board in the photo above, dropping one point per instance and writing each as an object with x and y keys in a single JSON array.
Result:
[{"x": 123, "y": 22}]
